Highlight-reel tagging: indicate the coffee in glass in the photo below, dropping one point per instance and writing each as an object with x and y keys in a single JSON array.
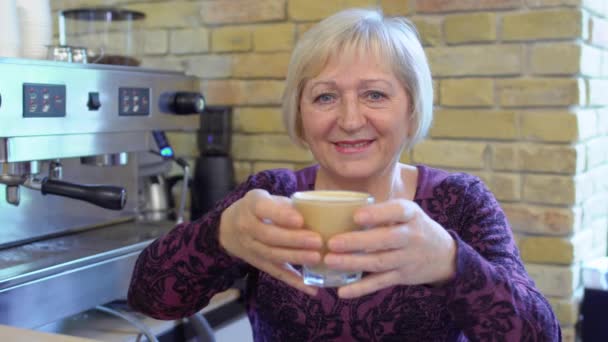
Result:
[{"x": 329, "y": 213}]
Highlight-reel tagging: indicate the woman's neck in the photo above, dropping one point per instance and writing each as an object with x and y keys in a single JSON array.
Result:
[{"x": 389, "y": 184}]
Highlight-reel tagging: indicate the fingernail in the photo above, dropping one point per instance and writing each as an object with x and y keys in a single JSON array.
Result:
[
  {"x": 313, "y": 242},
  {"x": 344, "y": 293},
  {"x": 331, "y": 259},
  {"x": 293, "y": 219},
  {"x": 312, "y": 291},
  {"x": 362, "y": 217},
  {"x": 313, "y": 258},
  {"x": 336, "y": 245}
]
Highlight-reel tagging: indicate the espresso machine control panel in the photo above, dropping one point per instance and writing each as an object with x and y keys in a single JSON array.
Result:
[
  {"x": 43, "y": 100},
  {"x": 133, "y": 101}
]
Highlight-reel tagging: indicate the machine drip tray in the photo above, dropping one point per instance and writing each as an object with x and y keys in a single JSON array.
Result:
[{"x": 49, "y": 280}]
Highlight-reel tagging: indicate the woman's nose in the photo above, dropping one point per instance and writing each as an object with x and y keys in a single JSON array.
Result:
[{"x": 352, "y": 116}]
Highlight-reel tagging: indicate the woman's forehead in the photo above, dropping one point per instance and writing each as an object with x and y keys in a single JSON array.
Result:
[{"x": 349, "y": 58}]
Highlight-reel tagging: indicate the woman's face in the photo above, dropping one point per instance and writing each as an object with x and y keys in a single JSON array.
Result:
[{"x": 355, "y": 117}]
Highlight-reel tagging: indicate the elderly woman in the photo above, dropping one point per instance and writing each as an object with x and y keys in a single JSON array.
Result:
[{"x": 440, "y": 262}]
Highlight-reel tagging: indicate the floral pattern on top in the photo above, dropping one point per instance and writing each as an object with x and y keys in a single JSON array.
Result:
[{"x": 491, "y": 298}]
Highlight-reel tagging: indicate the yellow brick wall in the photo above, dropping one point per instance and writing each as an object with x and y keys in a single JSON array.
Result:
[{"x": 521, "y": 102}]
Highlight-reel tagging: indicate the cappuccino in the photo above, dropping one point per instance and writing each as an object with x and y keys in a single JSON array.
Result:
[{"x": 329, "y": 213}]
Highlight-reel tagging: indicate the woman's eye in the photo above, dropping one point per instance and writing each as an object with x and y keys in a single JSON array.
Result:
[
  {"x": 324, "y": 98},
  {"x": 375, "y": 95}
]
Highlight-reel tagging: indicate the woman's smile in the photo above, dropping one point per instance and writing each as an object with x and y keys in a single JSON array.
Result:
[{"x": 353, "y": 146}]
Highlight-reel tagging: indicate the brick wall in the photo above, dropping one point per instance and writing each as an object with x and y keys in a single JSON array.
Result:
[{"x": 521, "y": 101}]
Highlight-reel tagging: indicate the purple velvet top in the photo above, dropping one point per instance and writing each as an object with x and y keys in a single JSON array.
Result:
[{"x": 491, "y": 297}]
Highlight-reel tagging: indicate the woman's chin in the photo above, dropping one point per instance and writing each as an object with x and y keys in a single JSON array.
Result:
[{"x": 353, "y": 170}]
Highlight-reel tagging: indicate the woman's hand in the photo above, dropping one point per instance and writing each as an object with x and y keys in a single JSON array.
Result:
[
  {"x": 405, "y": 247},
  {"x": 267, "y": 232}
]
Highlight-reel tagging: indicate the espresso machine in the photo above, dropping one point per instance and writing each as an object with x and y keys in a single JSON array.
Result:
[{"x": 78, "y": 143}]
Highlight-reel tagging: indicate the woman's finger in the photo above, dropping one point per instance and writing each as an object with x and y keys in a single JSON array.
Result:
[
  {"x": 375, "y": 239},
  {"x": 272, "y": 235},
  {"x": 386, "y": 213},
  {"x": 283, "y": 255},
  {"x": 369, "y": 284},
  {"x": 277, "y": 209},
  {"x": 373, "y": 262}
]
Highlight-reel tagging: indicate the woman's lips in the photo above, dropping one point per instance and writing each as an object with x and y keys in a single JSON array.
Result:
[{"x": 353, "y": 146}]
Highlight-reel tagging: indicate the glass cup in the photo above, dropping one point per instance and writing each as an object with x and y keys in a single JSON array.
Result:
[
  {"x": 61, "y": 53},
  {"x": 329, "y": 213},
  {"x": 79, "y": 55}
]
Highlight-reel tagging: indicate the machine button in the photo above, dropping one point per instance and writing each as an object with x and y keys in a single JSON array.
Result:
[{"x": 94, "y": 102}]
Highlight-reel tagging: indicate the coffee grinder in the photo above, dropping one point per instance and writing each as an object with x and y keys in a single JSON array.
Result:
[{"x": 213, "y": 171}]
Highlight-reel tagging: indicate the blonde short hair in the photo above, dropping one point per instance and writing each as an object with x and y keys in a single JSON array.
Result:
[{"x": 359, "y": 31}]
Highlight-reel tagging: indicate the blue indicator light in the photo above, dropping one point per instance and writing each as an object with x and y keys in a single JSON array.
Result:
[{"x": 166, "y": 152}]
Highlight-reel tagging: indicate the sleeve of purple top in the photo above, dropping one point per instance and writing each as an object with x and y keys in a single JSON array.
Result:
[
  {"x": 177, "y": 274},
  {"x": 492, "y": 295}
]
